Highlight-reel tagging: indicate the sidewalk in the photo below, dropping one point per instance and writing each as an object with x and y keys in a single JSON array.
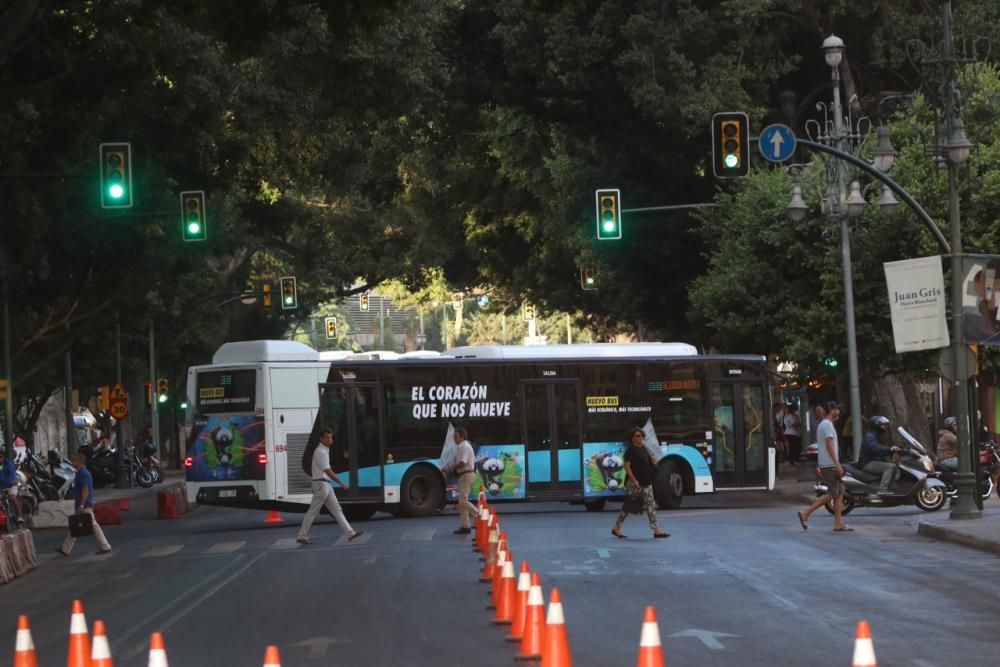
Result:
[{"x": 982, "y": 534}]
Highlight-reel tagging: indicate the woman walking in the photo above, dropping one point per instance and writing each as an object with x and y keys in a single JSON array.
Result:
[{"x": 640, "y": 471}]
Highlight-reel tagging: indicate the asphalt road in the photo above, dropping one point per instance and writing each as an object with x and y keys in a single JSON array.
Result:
[{"x": 737, "y": 583}]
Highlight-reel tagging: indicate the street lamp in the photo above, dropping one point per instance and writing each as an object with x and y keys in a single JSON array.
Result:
[
  {"x": 845, "y": 202},
  {"x": 955, "y": 148}
]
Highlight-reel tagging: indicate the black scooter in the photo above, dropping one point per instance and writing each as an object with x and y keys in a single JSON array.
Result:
[
  {"x": 101, "y": 464},
  {"x": 917, "y": 484}
]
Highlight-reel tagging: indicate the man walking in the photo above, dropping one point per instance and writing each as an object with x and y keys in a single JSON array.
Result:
[
  {"x": 83, "y": 501},
  {"x": 465, "y": 469},
  {"x": 828, "y": 460},
  {"x": 322, "y": 476}
]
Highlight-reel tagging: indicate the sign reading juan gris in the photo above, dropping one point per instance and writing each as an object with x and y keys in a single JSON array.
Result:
[{"x": 917, "y": 304}]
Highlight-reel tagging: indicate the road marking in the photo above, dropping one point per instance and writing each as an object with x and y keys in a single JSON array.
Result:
[
  {"x": 370, "y": 560},
  {"x": 120, "y": 639},
  {"x": 345, "y": 540},
  {"x": 285, "y": 543},
  {"x": 164, "y": 550},
  {"x": 225, "y": 547},
  {"x": 422, "y": 535},
  {"x": 318, "y": 646},
  {"x": 604, "y": 553},
  {"x": 92, "y": 557},
  {"x": 707, "y": 637}
]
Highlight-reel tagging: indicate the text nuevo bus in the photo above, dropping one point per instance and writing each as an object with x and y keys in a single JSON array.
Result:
[{"x": 548, "y": 423}]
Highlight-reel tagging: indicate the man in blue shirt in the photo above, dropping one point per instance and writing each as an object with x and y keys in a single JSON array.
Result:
[
  {"x": 83, "y": 497},
  {"x": 873, "y": 454},
  {"x": 8, "y": 484}
]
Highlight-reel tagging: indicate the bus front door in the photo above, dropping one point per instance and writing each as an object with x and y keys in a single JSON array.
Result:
[
  {"x": 739, "y": 437},
  {"x": 551, "y": 428},
  {"x": 354, "y": 412}
]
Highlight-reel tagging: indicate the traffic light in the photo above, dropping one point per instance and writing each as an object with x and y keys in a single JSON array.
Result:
[
  {"x": 4, "y": 389},
  {"x": 363, "y": 301},
  {"x": 588, "y": 278},
  {"x": 289, "y": 293},
  {"x": 331, "y": 327},
  {"x": 193, "y": 226},
  {"x": 266, "y": 293},
  {"x": 529, "y": 311},
  {"x": 149, "y": 392},
  {"x": 730, "y": 144},
  {"x": 609, "y": 215},
  {"x": 162, "y": 390},
  {"x": 116, "y": 175},
  {"x": 831, "y": 363},
  {"x": 105, "y": 397}
]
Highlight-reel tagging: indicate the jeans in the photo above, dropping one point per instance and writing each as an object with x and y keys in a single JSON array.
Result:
[{"x": 887, "y": 470}]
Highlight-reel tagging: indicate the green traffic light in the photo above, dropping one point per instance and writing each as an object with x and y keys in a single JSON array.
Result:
[
  {"x": 116, "y": 191},
  {"x": 830, "y": 362},
  {"x": 289, "y": 300},
  {"x": 732, "y": 161},
  {"x": 162, "y": 398},
  {"x": 194, "y": 228}
]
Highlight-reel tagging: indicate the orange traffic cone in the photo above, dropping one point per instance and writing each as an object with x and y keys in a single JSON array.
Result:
[
  {"x": 502, "y": 556},
  {"x": 274, "y": 517},
  {"x": 157, "y": 653},
  {"x": 24, "y": 649},
  {"x": 100, "y": 655},
  {"x": 482, "y": 499},
  {"x": 650, "y": 650},
  {"x": 534, "y": 622},
  {"x": 79, "y": 640},
  {"x": 505, "y": 598},
  {"x": 864, "y": 650},
  {"x": 271, "y": 657},
  {"x": 490, "y": 555},
  {"x": 520, "y": 603},
  {"x": 555, "y": 647},
  {"x": 482, "y": 529},
  {"x": 492, "y": 525}
]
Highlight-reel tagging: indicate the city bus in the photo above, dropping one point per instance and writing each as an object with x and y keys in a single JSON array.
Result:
[{"x": 548, "y": 423}]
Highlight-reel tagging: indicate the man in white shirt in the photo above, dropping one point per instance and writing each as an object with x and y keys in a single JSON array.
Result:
[
  {"x": 465, "y": 469},
  {"x": 828, "y": 461},
  {"x": 322, "y": 475}
]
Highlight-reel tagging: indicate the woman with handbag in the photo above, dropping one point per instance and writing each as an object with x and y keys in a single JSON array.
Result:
[{"x": 640, "y": 473}]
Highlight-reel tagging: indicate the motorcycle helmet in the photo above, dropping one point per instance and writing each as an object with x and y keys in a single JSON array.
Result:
[
  {"x": 951, "y": 422},
  {"x": 879, "y": 424}
]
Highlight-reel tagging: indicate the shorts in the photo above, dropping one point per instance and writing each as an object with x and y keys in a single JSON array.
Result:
[{"x": 834, "y": 486}]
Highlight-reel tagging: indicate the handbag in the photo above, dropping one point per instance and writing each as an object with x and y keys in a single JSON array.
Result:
[
  {"x": 632, "y": 504},
  {"x": 81, "y": 524}
]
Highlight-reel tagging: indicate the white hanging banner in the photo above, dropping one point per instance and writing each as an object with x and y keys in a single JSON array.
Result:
[{"x": 916, "y": 304}]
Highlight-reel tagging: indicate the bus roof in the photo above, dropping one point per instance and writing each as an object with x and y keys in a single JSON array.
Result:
[
  {"x": 246, "y": 351},
  {"x": 580, "y": 351}
]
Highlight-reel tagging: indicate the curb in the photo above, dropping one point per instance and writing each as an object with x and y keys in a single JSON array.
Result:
[{"x": 948, "y": 535}]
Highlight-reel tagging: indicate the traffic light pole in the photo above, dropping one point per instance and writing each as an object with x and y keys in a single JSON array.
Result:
[
  {"x": 154, "y": 411},
  {"x": 121, "y": 472}
]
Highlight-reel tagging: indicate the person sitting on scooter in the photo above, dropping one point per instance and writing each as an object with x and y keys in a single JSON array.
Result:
[
  {"x": 8, "y": 483},
  {"x": 947, "y": 445},
  {"x": 874, "y": 453}
]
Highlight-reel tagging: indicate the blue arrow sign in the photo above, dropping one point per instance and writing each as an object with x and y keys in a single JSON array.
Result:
[{"x": 777, "y": 143}]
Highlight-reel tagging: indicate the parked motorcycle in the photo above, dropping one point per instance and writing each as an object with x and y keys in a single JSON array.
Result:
[
  {"x": 63, "y": 474},
  {"x": 100, "y": 463},
  {"x": 145, "y": 467},
  {"x": 917, "y": 484},
  {"x": 989, "y": 459}
]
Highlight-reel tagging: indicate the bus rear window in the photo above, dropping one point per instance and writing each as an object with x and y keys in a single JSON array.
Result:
[{"x": 226, "y": 391}]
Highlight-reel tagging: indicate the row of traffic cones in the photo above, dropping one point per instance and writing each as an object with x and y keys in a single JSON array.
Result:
[
  {"x": 542, "y": 636},
  {"x": 97, "y": 653},
  {"x": 519, "y": 603}
]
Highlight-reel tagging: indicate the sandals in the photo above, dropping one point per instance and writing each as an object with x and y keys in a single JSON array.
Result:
[
  {"x": 618, "y": 534},
  {"x": 802, "y": 520},
  {"x": 844, "y": 529}
]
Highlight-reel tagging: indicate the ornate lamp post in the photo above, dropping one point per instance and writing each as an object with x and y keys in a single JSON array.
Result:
[
  {"x": 954, "y": 148},
  {"x": 844, "y": 201}
]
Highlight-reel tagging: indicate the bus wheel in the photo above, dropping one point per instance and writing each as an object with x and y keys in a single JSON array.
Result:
[
  {"x": 595, "y": 505},
  {"x": 668, "y": 486},
  {"x": 359, "y": 512},
  {"x": 421, "y": 493}
]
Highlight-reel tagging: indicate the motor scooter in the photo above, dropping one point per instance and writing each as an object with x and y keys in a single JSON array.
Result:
[
  {"x": 63, "y": 474},
  {"x": 917, "y": 484}
]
